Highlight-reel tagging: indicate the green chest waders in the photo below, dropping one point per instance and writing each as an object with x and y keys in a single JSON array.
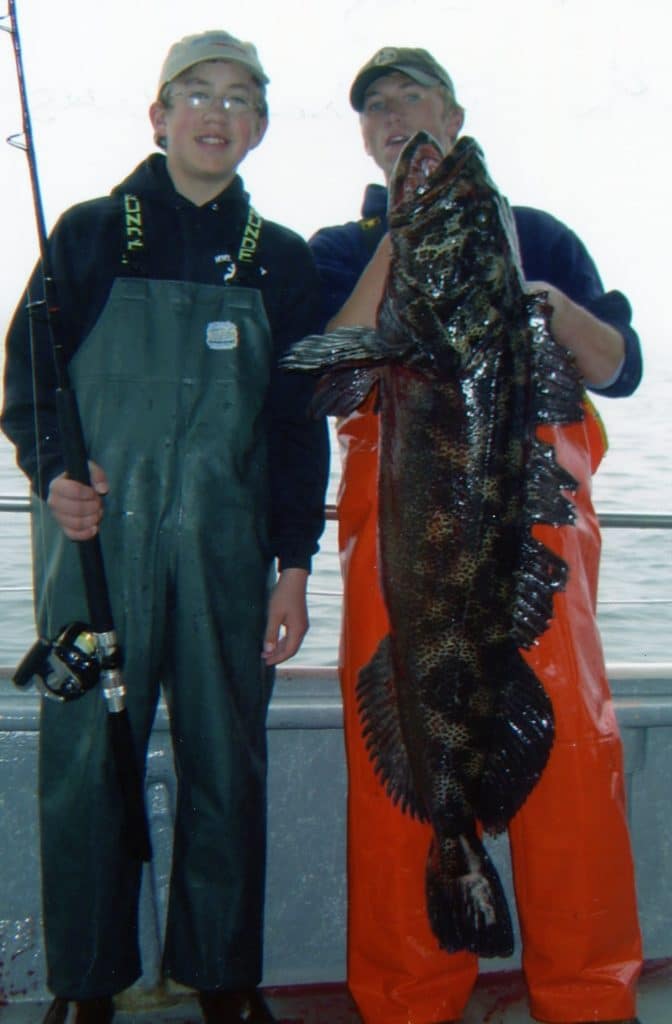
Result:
[{"x": 171, "y": 385}]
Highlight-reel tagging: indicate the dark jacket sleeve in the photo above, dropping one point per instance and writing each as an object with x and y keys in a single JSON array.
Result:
[
  {"x": 613, "y": 308},
  {"x": 298, "y": 443},
  {"x": 341, "y": 256},
  {"x": 28, "y": 415},
  {"x": 81, "y": 285},
  {"x": 552, "y": 252}
]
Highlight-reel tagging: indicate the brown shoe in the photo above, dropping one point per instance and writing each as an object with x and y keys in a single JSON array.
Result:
[
  {"x": 87, "y": 1011},
  {"x": 247, "y": 1006}
]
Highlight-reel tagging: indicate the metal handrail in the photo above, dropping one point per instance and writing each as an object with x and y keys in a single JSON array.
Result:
[
  {"x": 636, "y": 520},
  {"x": 14, "y": 503},
  {"x": 622, "y": 520}
]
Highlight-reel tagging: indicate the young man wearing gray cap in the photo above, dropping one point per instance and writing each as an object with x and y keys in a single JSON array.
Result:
[
  {"x": 571, "y": 856},
  {"x": 176, "y": 301}
]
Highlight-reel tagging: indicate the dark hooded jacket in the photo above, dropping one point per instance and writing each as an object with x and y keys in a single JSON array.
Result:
[{"x": 181, "y": 242}]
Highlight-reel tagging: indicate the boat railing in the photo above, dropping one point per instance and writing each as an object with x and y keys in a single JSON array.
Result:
[
  {"x": 626, "y": 520},
  {"x": 609, "y": 520}
]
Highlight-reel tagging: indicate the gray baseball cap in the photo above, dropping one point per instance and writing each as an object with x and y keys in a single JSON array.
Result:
[
  {"x": 213, "y": 45},
  {"x": 418, "y": 64}
]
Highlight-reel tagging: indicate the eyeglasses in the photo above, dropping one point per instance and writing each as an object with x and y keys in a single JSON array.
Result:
[{"x": 202, "y": 99}]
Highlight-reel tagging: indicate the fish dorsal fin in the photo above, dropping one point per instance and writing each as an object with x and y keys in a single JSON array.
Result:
[{"x": 540, "y": 575}]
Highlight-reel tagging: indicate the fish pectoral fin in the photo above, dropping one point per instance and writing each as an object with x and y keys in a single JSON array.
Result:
[
  {"x": 340, "y": 392},
  {"x": 520, "y": 739},
  {"x": 346, "y": 346},
  {"x": 465, "y": 898},
  {"x": 379, "y": 713}
]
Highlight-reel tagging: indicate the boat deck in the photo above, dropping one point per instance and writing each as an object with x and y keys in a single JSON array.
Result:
[{"x": 499, "y": 998}]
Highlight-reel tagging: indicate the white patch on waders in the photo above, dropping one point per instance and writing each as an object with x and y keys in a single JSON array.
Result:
[{"x": 221, "y": 334}]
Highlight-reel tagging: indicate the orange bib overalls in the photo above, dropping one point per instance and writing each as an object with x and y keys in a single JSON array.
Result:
[{"x": 570, "y": 846}]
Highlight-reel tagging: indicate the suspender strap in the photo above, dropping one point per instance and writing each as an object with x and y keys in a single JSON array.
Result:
[
  {"x": 134, "y": 253},
  {"x": 251, "y": 234},
  {"x": 133, "y": 250}
]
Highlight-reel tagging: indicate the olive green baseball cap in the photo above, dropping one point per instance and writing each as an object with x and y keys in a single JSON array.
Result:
[
  {"x": 214, "y": 45},
  {"x": 418, "y": 64}
]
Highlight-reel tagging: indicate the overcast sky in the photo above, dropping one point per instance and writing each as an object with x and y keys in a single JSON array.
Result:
[{"x": 570, "y": 100}]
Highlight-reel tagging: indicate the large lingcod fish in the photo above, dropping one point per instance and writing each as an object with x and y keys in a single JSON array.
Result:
[{"x": 458, "y": 726}]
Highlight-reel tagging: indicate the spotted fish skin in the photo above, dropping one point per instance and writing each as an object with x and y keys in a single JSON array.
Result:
[{"x": 458, "y": 726}]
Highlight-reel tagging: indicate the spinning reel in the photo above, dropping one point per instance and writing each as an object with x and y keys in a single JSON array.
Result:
[{"x": 63, "y": 669}]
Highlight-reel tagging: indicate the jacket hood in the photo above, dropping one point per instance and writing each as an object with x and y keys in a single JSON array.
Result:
[{"x": 151, "y": 180}]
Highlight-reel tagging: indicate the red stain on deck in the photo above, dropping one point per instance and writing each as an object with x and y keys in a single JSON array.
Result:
[
  {"x": 313, "y": 1004},
  {"x": 505, "y": 989}
]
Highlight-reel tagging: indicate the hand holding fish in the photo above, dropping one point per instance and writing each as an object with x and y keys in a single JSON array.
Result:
[{"x": 598, "y": 347}]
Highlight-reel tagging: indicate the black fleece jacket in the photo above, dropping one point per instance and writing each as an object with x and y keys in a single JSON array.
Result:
[{"x": 182, "y": 242}]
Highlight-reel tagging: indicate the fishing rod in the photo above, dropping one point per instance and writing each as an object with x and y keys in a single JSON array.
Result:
[{"x": 82, "y": 654}]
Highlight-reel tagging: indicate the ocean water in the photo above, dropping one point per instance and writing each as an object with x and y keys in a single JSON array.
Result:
[{"x": 635, "y": 593}]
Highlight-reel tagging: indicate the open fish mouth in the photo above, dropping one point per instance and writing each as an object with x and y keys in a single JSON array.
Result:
[
  {"x": 426, "y": 157},
  {"x": 457, "y": 725}
]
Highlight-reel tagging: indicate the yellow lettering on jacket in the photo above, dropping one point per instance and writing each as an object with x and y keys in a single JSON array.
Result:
[
  {"x": 250, "y": 238},
  {"x": 133, "y": 222}
]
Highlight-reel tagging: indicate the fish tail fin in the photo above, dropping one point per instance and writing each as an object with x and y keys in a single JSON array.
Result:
[
  {"x": 465, "y": 898},
  {"x": 520, "y": 741},
  {"x": 379, "y": 713}
]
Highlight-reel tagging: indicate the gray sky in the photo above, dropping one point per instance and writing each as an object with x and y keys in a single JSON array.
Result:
[{"x": 570, "y": 100}]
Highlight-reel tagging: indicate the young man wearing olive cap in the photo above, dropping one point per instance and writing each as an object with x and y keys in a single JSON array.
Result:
[
  {"x": 570, "y": 845},
  {"x": 176, "y": 301}
]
